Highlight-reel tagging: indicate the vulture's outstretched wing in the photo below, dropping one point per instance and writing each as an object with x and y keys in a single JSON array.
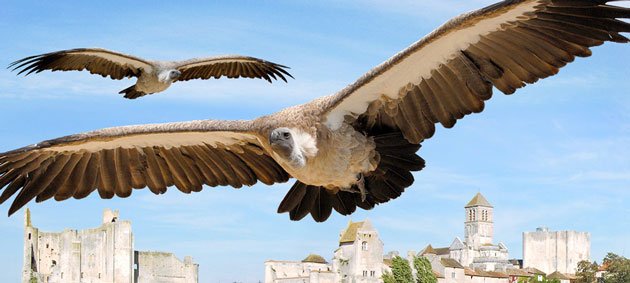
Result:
[
  {"x": 96, "y": 60},
  {"x": 115, "y": 160},
  {"x": 451, "y": 72},
  {"x": 231, "y": 67}
]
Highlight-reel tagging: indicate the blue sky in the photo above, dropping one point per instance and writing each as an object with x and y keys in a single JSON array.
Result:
[{"x": 553, "y": 154}]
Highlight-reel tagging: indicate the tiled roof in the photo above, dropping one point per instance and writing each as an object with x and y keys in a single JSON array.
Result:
[
  {"x": 492, "y": 274},
  {"x": 314, "y": 258},
  {"x": 428, "y": 250},
  {"x": 478, "y": 200},
  {"x": 533, "y": 270},
  {"x": 518, "y": 272},
  {"x": 437, "y": 274},
  {"x": 442, "y": 251},
  {"x": 350, "y": 234},
  {"x": 449, "y": 262},
  {"x": 558, "y": 275}
]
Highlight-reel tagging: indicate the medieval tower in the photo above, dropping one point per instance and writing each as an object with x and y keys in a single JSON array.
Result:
[
  {"x": 478, "y": 223},
  {"x": 104, "y": 254}
]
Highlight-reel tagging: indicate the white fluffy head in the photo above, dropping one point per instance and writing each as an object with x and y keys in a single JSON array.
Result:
[
  {"x": 168, "y": 76},
  {"x": 293, "y": 145}
]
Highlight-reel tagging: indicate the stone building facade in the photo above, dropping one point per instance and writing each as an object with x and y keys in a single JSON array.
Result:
[
  {"x": 477, "y": 250},
  {"x": 476, "y": 259},
  {"x": 359, "y": 259},
  {"x": 552, "y": 251},
  {"x": 313, "y": 268},
  {"x": 102, "y": 254}
]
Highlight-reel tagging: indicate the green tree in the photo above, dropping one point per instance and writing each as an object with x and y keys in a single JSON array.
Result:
[
  {"x": 424, "y": 273},
  {"x": 388, "y": 277},
  {"x": 618, "y": 269},
  {"x": 401, "y": 270},
  {"x": 586, "y": 271}
]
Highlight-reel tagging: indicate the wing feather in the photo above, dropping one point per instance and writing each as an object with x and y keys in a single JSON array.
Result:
[
  {"x": 96, "y": 60},
  {"x": 231, "y": 67},
  {"x": 450, "y": 73},
  {"x": 115, "y": 161}
]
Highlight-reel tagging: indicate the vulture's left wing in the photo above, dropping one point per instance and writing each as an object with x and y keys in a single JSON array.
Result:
[
  {"x": 115, "y": 160},
  {"x": 100, "y": 61},
  {"x": 451, "y": 72},
  {"x": 231, "y": 67}
]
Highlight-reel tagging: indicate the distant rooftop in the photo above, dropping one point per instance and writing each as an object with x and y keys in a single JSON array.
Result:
[
  {"x": 349, "y": 235},
  {"x": 478, "y": 200},
  {"x": 314, "y": 258}
]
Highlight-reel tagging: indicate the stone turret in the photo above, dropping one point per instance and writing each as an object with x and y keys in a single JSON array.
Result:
[
  {"x": 479, "y": 224},
  {"x": 359, "y": 257}
]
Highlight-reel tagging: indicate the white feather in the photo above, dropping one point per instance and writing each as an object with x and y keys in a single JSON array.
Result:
[{"x": 304, "y": 142}]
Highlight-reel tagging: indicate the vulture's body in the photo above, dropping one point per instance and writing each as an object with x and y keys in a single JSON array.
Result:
[
  {"x": 152, "y": 76},
  {"x": 355, "y": 148}
]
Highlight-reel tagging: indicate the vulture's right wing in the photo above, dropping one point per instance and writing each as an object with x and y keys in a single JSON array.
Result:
[
  {"x": 96, "y": 60},
  {"x": 232, "y": 66},
  {"x": 115, "y": 160}
]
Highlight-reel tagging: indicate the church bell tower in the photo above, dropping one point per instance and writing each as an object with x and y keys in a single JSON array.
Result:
[{"x": 479, "y": 223}]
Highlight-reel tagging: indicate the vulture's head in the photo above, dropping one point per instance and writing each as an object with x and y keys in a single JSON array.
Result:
[
  {"x": 169, "y": 75},
  {"x": 174, "y": 74},
  {"x": 284, "y": 142}
]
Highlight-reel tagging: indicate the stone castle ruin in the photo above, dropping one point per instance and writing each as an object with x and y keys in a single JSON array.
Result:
[{"x": 98, "y": 255}]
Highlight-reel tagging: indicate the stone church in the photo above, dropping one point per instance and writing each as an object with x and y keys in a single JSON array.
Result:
[
  {"x": 477, "y": 250},
  {"x": 99, "y": 255}
]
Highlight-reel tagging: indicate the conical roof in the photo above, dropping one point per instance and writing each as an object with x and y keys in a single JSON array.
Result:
[
  {"x": 314, "y": 258},
  {"x": 478, "y": 200}
]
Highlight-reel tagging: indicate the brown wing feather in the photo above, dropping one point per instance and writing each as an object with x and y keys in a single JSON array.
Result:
[
  {"x": 517, "y": 52},
  {"x": 231, "y": 67},
  {"x": 97, "y": 61},
  {"x": 114, "y": 161}
]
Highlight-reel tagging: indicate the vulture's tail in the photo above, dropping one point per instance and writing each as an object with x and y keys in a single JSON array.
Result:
[
  {"x": 132, "y": 93},
  {"x": 388, "y": 181}
]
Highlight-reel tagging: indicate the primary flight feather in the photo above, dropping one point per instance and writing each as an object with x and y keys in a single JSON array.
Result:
[
  {"x": 355, "y": 148},
  {"x": 153, "y": 76}
]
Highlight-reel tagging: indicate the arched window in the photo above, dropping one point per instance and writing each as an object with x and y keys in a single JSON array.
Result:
[
  {"x": 364, "y": 246},
  {"x": 473, "y": 215}
]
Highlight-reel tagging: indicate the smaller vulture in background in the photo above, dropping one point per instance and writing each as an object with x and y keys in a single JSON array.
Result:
[
  {"x": 153, "y": 76},
  {"x": 355, "y": 148}
]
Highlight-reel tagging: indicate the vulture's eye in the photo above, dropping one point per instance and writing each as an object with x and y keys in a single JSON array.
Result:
[{"x": 286, "y": 135}]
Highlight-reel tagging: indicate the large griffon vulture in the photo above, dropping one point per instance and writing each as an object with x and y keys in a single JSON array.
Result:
[
  {"x": 153, "y": 76},
  {"x": 355, "y": 148}
]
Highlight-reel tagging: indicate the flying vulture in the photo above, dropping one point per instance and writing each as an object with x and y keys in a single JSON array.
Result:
[
  {"x": 355, "y": 148},
  {"x": 153, "y": 76}
]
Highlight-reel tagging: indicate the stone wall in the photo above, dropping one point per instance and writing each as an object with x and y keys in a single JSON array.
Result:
[
  {"x": 164, "y": 268},
  {"x": 295, "y": 271},
  {"x": 552, "y": 251},
  {"x": 99, "y": 255}
]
